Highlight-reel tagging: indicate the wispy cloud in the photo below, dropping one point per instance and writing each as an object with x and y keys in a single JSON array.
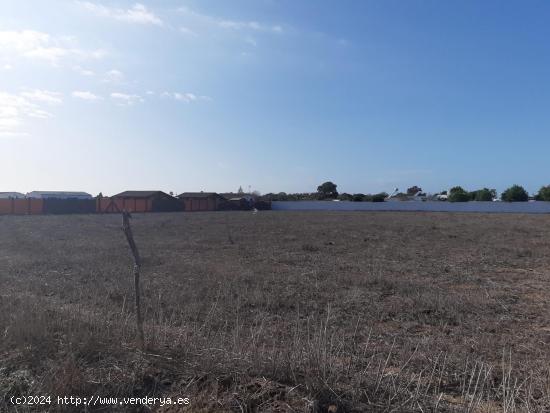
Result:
[
  {"x": 85, "y": 95},
  {"x": 42, "y": 46},
  {"x": 113, "y": 76},
  {"x": 187, "y": 31},
  {"x": 138, "y": 13},
  {"x": 44, "y": 96},
  {"x": 16, "y": 108},
  {"x": 125, "y": 99},
  {"x": 208, "y": 22},
  {"x": 249, "y": 25},
  {"x": 185, "y": 97},
  {"x": 83, "y": 71}
]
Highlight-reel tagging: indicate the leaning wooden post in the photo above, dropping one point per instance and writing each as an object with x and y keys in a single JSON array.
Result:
[{"x": 137, "y": 265}]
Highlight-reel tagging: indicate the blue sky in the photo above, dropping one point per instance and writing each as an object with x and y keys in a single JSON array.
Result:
[{"x": 275, "y": 95}]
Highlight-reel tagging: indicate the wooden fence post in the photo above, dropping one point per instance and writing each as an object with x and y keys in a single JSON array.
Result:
[{"x": 137, "y": 266}]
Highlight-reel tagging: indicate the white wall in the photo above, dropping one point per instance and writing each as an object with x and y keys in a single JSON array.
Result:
[{"x": 433, "y": 206}]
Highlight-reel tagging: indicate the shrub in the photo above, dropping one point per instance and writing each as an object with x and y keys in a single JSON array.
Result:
[
  {"x": 345, "y": 197},
  {"x": 515, "y": 193},
  {"x": 413, "y": 190},
  {"x": 544, "y": 194},
  {"x": 358, "y": 197},
  {"x": 484, "y": 194},
  {"x": 381, "y": 197},
  {"x": 458, "y": 194}
]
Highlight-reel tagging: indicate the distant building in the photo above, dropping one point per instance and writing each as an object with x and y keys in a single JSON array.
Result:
[
  {"x": 235, "y": 196},
  {"x": 238, "y": 203},
  {"x": 201, "y": 201},
  {"x": 58, "y": 195},
  {"x": 146, "y": 201},
  {"x": 11, "y": 195}
]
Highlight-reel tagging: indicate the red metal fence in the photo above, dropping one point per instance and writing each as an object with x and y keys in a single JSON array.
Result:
[
  {"x": 105, "y": 205},
  {"x": 32, "y": 206},
  {"x": 27, "y": 206}
]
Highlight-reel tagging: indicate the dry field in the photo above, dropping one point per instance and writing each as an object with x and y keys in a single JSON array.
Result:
[{"x": 281, "y": 311}]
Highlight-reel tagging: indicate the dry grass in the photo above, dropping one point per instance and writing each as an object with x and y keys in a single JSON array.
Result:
[{"x": 281, "y": 311}]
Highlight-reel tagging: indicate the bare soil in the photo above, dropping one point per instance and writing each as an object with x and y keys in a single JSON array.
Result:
[{"x": 280, "y": 311}]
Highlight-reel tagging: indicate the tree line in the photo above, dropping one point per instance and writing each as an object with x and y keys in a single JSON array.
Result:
[
  {"x": 515, "y": 193},
  {"x": 328, "y": 191},
  {"x": 325, "y": 192}
]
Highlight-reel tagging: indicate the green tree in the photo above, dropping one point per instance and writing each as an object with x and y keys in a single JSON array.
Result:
[
  {"x": 327, "y": 190},
  {"x": 381, "y": 197},
  {"x": 484, "y": 194},
  {"x": 458, "y": 194},
  {"x": 544, "y": 194},
  {"x": 515, "y": 193},
  {"x": 345, "y": 197},
  {"x": 358, "y": 197},
  {"x": 413, "y": 190}
]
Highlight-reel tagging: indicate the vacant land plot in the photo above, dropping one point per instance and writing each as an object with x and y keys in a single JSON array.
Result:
[{"x": 281, "y": 311}]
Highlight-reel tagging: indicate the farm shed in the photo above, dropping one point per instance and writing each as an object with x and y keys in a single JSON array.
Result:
[
  {"x": 64, "y": 202},
  {"x": 58, "y": 195},
  {"x": 237, "y": 204},
  {"x": 146, "y": 201},
  {"x": 69, "y": 206},
  {"x": 11, "y": 195},
  {"x": 201, "y": 201}
]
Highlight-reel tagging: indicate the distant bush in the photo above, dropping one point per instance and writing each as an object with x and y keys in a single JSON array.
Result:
[
  {"x": 282, "y": 196},
  {"x": 484, "y": 194},
  {"x": 515, "y": 193},
  {"x": 381, "y": 197},
  {"x": 345, "y": 197},
  {"x": 458, "y": 194},
  {"x": 413, "y": 190},
  {"x": 544, "y": 194},
  {"x": 459, "y": 197},
  {"x": 358, "y": 197}
]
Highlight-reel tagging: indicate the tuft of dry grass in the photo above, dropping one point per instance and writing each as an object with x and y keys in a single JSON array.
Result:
[{"x": 281, "y": 311}]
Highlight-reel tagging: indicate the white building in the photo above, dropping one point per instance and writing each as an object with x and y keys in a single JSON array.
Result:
[
  {"x": 11, "y": 195},
  {"x": 59, "y": 195}
]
